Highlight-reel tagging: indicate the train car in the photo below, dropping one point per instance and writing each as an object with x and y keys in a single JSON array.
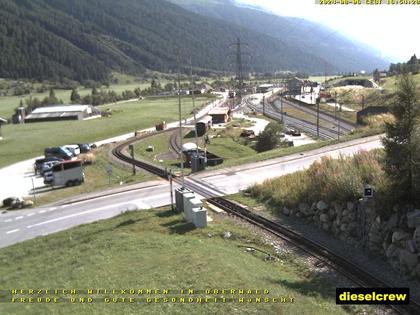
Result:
[{"x": 203, "y": 125}]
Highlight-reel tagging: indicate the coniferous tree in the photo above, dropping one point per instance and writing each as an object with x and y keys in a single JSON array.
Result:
[{"x": 400, "y": 142}]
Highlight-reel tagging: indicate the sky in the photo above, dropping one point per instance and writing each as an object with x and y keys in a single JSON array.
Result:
[{"x": 392, "y": 29}]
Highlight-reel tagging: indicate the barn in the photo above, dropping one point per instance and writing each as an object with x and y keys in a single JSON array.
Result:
[
  {"x": 63, "y": 112},
  {"x": 220, "y": 115}
]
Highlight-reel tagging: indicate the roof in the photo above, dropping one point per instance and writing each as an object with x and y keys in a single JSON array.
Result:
[
  {"x": 189, "y": 147},
  {"x": 60, "y": 108},
  {"x": 266, "y": 85},
  {"x": 205, "y": 119},
  {"x": 219, "y": 111}
]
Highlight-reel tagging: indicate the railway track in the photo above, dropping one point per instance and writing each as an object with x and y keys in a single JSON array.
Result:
[
  {"x": 214, "y": 196},
  {"x": 346, "y": 126},
  {"x": 303, "y": 125}
]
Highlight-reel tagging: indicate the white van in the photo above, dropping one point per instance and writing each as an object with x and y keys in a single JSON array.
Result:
[{"x": 68, "y": 173}]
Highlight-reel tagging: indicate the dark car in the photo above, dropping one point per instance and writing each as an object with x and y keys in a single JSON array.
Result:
[
  {"x": 39, "y": 162},
  {"x": 59, "y": 152},
  {"x": 84, "y": 147}
]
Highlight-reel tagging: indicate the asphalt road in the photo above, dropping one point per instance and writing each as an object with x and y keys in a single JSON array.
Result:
[{"x": 17, "y": 226}]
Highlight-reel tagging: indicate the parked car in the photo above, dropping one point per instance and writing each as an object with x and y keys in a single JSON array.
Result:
[
  {"x": 58, "y": 152},
  {"x": 39, "y": 162},
  {"x": 293, "y": 132},
  {"x": 84, "y": 147},
  {"x": 47, "y": 166},
  {"x": 73, "y": 148}
]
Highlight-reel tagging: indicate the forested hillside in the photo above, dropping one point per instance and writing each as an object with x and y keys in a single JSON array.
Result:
[
  {"x": 79, "y": 39},
  {"x": 342, "y": 54},
  {"x": 49, "y": 39}
]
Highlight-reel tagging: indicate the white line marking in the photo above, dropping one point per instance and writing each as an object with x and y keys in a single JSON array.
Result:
[
  {"x": 42, "y": 211},
  {"x": 77, "y": 214},
  {"x": 52, "y": 209},
  {"x": 13, "y": 231},
  {"x": 30, "y": 214},
  {"x": 8, "y": 220},
  {"x": 18, "y": 218}
]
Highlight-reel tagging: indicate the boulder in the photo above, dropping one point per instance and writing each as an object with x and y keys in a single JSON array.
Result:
[
  {"x": 413, "y": 218},
  {"x": 331, "y": 213},
  {"x": 306, "y": 209},
  {"x": 322, "y": 206},
  {"x": 408, "y": 261},
  {"x": 286, "y": 211},
  {"x": 326, "y": 226},
  {"x": 398, "y": 236},
  {"x": 392, "y": 251},
  {"x": 343, "y": 227},
  {"x": 416, "y": 237},
  {"x": 411, "y": 246},
  {"x": 418, "y": 271},
  {"x": 375, "y": 236},
  {"x": 324, "y": 218},
  {"x": 392, "y": 223}
]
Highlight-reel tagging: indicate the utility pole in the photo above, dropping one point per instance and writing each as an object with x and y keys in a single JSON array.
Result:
[
  {"x": 263, "y": 104},
  {"x": 180, "y": 119},
  {"x": 363, "y": 102},
  {"x": 317, "y": 117},
  {"x": 171, "y": 188},
  {"x": 335, "y": 105},
  {"x": 131, "y": 147},
  {"x": 239, "y": 74},
  {"x": 281, "y": 108},
  {"x": 193, "y": 104},
  {"x": 339, "y": 116}
]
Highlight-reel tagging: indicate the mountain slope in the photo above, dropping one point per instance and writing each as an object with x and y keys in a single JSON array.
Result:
[
  {"x": 51, "y": 39},
  {"x": 343, "y": 54}
]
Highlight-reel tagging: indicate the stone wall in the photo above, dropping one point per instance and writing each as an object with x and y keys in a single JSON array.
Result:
[{"x": 397, "y": 239}]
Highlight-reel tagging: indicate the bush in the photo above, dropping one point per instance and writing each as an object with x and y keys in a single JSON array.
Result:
[{"x": 338, "y": 180}]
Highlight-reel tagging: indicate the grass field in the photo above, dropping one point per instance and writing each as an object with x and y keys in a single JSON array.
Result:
[
  {"x": 156, "y": 249},
  {"x": 390, "y": 82},
  {"x": 96, "y": 178},
  {"x": 29, "y": 140}
]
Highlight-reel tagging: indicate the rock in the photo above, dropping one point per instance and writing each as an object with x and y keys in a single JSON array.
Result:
[
  {"x": 411, "y": 246},
  {"x": 350, "y": 206},
  {"x": 392, "y": 251},
  {"x": 345, "y": 213},
  {"x": 331, "y": 213},
  {"x": 413, "y": 218},
  {"x": 321, "y": 206},
  {"x": 305, "y": 209},
  {"x": 299, "y": 214},
  {"x": 286, "y": 211},
  {"x": 398, "y": 236},
  {"x": 418, "y": 271},
  {"x": 227, "y": 235},
  {"x": 338, "y": 209},
  {"x": 324, "y": 218},
  {"x": 326, "y": 226},
  {"x": 416, "y": 237},
  {"x": 343, "y": 227},
  {"x": 408, "y": 261},
  {"x": 375, "y": 236},
  {"x": 392, "y": 222}
]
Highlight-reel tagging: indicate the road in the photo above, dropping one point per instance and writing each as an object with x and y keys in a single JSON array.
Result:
[
  {"x": 17, "y": 226},
  {"x": 20, "y": 176}
]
